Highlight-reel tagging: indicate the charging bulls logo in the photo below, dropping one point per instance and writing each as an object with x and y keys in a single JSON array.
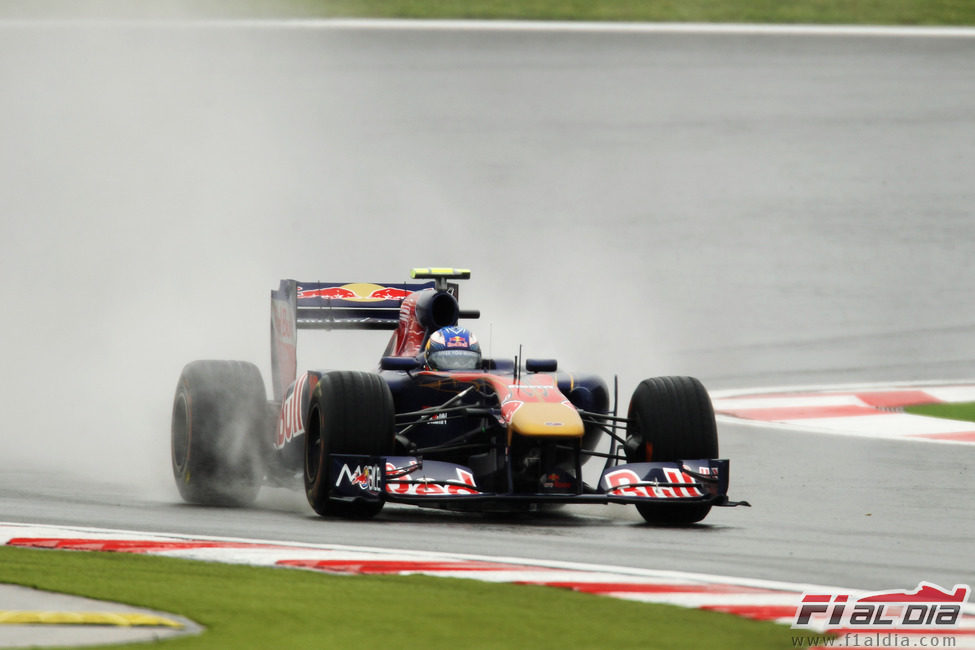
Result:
[{"x": 354, "y": 292}]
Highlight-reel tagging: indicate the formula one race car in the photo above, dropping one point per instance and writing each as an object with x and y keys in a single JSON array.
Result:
[{"x": 437, "y": 425}]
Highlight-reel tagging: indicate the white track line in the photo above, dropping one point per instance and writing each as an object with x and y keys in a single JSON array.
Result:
[
  {"x": 10, "y": 530},
  {"x": 851, "y": 410},
  {"x": 449, "y": 25}
]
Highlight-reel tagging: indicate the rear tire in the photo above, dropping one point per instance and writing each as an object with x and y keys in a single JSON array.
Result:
[
  {"x": 350, "y": 413},
  {"x": 671, "y": 419},
  {"x": 219, "y": 423}
]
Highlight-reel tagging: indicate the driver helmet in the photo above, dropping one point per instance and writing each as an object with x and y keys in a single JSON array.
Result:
[{"x": 453, "y": 348}]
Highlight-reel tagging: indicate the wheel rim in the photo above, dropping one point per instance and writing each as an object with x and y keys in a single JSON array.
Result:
[{"x": 181, "y": 433}]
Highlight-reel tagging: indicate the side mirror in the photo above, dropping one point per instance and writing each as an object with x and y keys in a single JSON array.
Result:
[
  {"x": 541, "y": 365},
  {"x": 399, "y": 363},
  {"x": 500, "y": 365}
]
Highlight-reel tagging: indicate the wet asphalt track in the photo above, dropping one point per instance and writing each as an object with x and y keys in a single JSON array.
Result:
[{"x": 756, "y": 210}]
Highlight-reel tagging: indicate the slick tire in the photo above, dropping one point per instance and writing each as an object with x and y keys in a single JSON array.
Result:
[
  {"x": 671, "y": 419},
  {"x": 218, "y": 426},
  {"x": 349, "y": 413}
]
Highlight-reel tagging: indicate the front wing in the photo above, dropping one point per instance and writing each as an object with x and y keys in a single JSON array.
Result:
[{"x": 413, "y": 480}]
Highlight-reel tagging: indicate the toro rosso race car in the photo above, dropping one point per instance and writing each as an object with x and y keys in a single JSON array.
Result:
[{"x": 438, "y": 424}]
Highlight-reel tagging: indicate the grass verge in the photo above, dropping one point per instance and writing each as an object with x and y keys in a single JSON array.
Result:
[
  {"x": 252, "y": 607},
  {"x": 889, "y": 12},
  {"x": 960, "y": 411}
]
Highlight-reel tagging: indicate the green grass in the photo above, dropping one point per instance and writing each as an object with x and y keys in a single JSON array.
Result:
[
  {"x": 960, "y": 411},
  {"x": 251, "y": 607},
  {"x": 877, "y": 12},
  {"x": 891, "y": 12}
]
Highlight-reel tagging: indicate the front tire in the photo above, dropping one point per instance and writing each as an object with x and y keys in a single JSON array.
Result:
[
  {"x": 671, "y": 419},
  {"x": 219, "y": 421},
  {"x": 349, "y": 413}
]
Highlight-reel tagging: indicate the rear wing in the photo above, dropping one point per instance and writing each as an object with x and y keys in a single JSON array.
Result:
[
  {"x": 344, "y": 305},
  {"x": 329, "y": 306}
]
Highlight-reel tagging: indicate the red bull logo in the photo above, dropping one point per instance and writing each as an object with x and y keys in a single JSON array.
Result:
[
  {"x": 355, "y": 292},
  {"x": 291, "y": 420},
  {"x": 627, "y": 483},
  {"x": 457, "y": 342},
  {"x": 430, "y": 486}
]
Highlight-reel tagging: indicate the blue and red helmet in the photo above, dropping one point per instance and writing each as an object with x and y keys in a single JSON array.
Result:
[{"x": 453, "y": 348}]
